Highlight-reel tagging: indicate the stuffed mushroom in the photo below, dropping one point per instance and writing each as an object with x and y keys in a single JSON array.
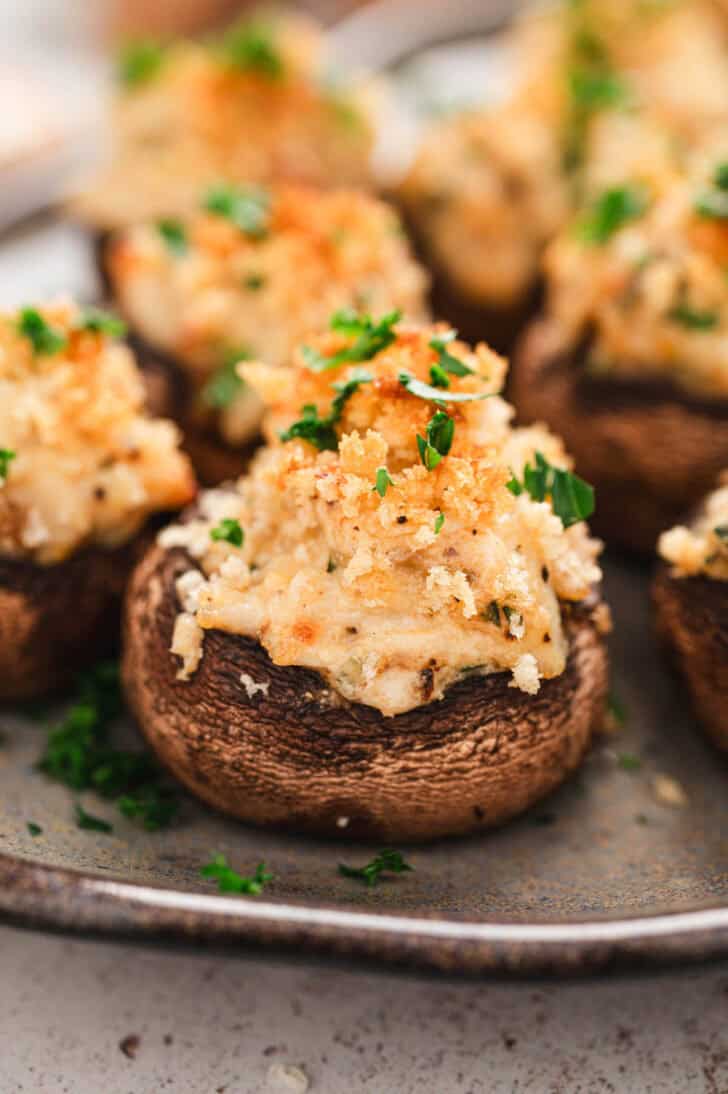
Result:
[
  {"x": 690, "y": 595},
  {"x": 83, "y": 469},
  {"x": 630, "y": 361},
  {"x": 596, "y": 91},
  {"x": 248, "y": 275},
  {"x": 257, "y": 104},
  {"x": 391, "y": 626}
]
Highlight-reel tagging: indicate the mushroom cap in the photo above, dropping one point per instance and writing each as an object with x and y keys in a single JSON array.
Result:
[
  {"x": 691, "y": 616},
  {"x": 295, "y": 755},
  {"x": 648, "y": 449},
  {"x": 55, "y": 620}
]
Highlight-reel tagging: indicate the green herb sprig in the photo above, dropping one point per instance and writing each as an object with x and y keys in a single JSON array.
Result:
[
  {"x": 319, "y": 431},
  {"x": 78, "y": 753},
  {"x": 386, "y": 862},
  {"x": 228, "y": 531},
  {"x": 435, "y": 395},
  {"x": 247, "y": 208},
  {"x": 437, "y": 441},
  {"x": 140, "y": 61},
  {"x": 174, "y": 234},
  {"x": 45, "y": 339},
  {"x": 713, "y": 203},
  {"x": 371, "y": 336},
  {"x": 99, "y": 321},
  {"x": 382, "y": 481},
  {"x": 611, "y": 211},
  {"x": 230, "y": 881},
  {"x": 572, "y": 499},
  {"x": 224, "y": 385},
  {"x": 6, "y": 458},
  {"x": 251, "y": 46},
  {"x": 448, "y": 363},
  {"x": 693, "y": 318}
]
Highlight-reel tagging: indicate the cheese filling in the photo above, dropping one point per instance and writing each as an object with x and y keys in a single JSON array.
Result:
[
  {"x": 80, "y": 462},
  {"x": 391, "y": 579},
  {"x": 701, "y": 547},
  {"x": 255, "y": 105},
  {"x": 216, "y": 293}
]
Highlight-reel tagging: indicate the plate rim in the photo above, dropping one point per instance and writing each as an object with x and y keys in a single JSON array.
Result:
[{"x": 84, "y": 902}]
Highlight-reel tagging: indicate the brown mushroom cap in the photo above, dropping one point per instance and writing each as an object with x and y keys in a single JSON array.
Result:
[
  {"x": 55, "y": 620},
  {"x": 296, "y": 756},
  {"x": 691, "y": 615},
  {"x": 648, "y": 449}
]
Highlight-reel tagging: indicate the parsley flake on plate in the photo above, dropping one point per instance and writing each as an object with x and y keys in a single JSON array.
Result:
[
  {"x": 230, "y": 881},
  {"x": 386, "y": 862},
  {"x": 90, "y": 822},
  {"x": 79, "y": 754},
  {"x": 572, "y": 499}
]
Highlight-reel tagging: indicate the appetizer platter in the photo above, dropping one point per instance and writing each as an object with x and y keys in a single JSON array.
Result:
[{"x": 308, "y": 637}]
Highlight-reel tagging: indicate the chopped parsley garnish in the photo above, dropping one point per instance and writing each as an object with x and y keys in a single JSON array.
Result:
[
  {"x": 252, "y": 46},
  {"x": 230, "y": 881},
  {"x": 224, "y": 384},
  {"x": 248, "y": 208},
  {"x": 437, "y": 441},
  {"x": 714, "y": 203},
  {"x": 615, "y": 208},
  {"x": 370, "y": 338},
  {"x": 6, "y": 458},
  {"x": 439, "y": 521},
  {"x": 140, "y": 62},
  {"x": 34, "y": 829},
  {"x": 90, "y": 822},
  {"x": 229, "y": 531},
  {"x": 174, "y": 234},
  {"x": 628, "y": 762},
  {"x": 382, "y": 481},
  {"x": 572, "y": 499},
  {"x": 102, "y": 322},
  {"x": 318, "y": 431},
  {"x": 448, "y": 363},
  {"x": 44, "y": 338},
  {"x": 253, "y": 282},
  {"x": 433, "y": 394},
  {"x": 592, "y": 86},
  {"x": 438, "y": 376},
  {"x": 692, "y": 318},
  {"x": 721, "y": 531},
  {"x": 79, "y": 754},
  {"x": 386, "y": 862}
]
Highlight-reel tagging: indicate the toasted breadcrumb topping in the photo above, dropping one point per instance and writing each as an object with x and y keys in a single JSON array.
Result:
[
  {"x": 203, "y": 117},
  {"x": 392, "y": 589},
  {"x": 88, "y": 465},
  {"x": 653, "y": 297},
  {"x": 701, "y": 547},
  {"x": 229, "y": 294},
  {"x": 599, "y": 94}
]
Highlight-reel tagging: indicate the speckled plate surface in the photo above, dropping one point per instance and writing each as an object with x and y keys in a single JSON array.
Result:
[{"x": 599, "y": 876}]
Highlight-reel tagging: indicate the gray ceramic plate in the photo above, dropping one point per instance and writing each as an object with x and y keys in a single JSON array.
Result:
[{"x": 602, "y": 875}]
